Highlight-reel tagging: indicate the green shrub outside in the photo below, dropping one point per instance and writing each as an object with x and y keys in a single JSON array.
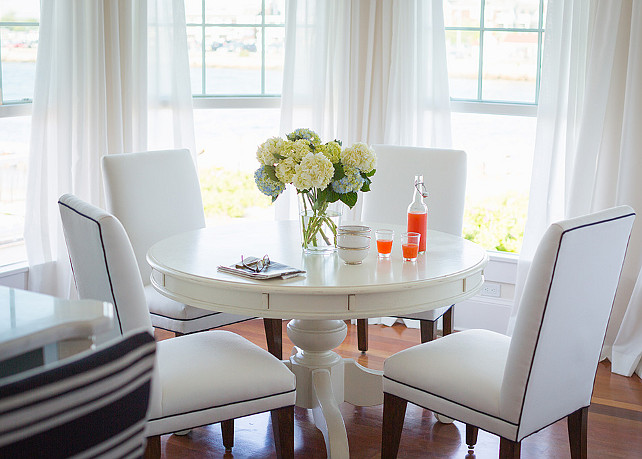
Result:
[
  {"x": 229, "y": 193},
  {"x": 497, "y": 223},
  {"x": 494, "y": 223}
]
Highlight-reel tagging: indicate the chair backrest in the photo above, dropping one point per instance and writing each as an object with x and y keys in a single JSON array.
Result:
[
  {"x": 103, "y": 262},
  {"x": 562, "y": 318},
  {"x": 91, "y": 405},
  {"x": 392, "y": 189},
  {"x": 154, "y": 194}
]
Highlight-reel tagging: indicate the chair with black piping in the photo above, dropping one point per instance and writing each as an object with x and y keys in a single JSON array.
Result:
[
  {"x": 93, "y": 404},
  {"x": 444, "y": 174},
  {"x": 156, "y": 194},
  {"x": 202, "y": 378},
  {"x": 514, "y": 387}
]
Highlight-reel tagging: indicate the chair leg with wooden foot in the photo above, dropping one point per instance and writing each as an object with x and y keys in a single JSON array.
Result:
[
  {"x": 545, "y": 371},
  {"x": 577, "y": 435},
  {"x": 394, "y": 412},
  {"x": 362, "y": 334},
  {"x": 274, "y": 337},
  {"x": 283, "y": 429},
  {"x": 227, "y": 432}
]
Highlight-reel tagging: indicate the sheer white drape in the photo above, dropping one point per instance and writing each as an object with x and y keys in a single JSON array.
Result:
[
  {"x": 91, "y": 98},
  {"x": 366, "y": 71},
  {"x": 589, "y": 143}
]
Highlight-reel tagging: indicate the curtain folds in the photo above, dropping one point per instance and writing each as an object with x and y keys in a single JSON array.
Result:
[
  {"x": 587, "y": 152},
  {"x": 366, "y": 71},
  {"x": 90, "y": 99}
]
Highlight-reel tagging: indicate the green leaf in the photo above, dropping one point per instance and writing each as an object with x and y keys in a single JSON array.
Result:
[
  {"x": 349, "y": 199},
  {"x": 339, "y": 173},
  {"x": 371, "y": 173},
  {"x": 365, "y": 187},
  {"x": 271, "y": 172},
  {"x": 333, "y": 196}
]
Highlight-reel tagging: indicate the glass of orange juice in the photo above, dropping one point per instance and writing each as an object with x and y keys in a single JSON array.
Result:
[
  {"x": 384, "y": 242},
  {"x": 410, "y": 246}
]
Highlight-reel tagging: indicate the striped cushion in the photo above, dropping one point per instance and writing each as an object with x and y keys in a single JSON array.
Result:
[{"x": 93, "y": 405}]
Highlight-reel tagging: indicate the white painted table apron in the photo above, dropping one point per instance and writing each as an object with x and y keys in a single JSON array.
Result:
[{"x": 184, "y": 268}]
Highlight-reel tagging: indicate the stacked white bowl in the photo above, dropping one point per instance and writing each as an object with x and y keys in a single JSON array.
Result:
[{"x": 353, "y": 243}]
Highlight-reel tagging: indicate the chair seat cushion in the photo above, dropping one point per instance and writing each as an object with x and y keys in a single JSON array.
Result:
[
  {"x": 467, "y": 366},
  {"x": 213, "y": 376}
]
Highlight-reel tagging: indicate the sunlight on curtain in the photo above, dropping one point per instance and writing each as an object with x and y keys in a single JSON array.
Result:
[
  {"x": 371, "y": 72},
  {"x": 587, "y": 153},
  {"x": 91, "y": 99}
]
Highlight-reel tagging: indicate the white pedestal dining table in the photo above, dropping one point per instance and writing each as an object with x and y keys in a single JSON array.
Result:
[{"x": 184, "y": 268}]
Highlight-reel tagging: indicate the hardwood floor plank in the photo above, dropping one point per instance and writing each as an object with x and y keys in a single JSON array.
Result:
[{"x": 614, "y": 422}]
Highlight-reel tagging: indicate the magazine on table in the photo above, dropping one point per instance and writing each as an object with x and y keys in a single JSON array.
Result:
[{"x": 261, "y": 268}]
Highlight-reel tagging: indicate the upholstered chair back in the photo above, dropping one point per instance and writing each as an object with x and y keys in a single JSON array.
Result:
[
  {"x": 154, "y": 194},
  {"x": 103, "y": 262},
  {"x": 391, "y": 190},
  {"x": 562, "y": 319}
]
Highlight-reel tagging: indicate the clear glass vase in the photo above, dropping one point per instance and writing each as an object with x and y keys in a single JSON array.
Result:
[{"x": 318, "y": 221}]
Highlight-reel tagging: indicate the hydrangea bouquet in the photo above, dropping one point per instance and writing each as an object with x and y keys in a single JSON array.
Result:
[{"x": 322, "y": 173}]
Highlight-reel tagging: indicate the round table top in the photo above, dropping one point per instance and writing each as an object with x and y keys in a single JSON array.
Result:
[{"x": 184, "y": 267}]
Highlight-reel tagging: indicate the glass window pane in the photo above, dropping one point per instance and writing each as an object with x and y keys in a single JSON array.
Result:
[
  {"x": 233, "y": 61},
  {"x": 500, "y": 153},
  {"x": 519, "y": 14},
  {"x": 510, "y": 66},
  {"x": 274, "y": 54},
  {"x": 228, "y": 161},
  {"x": 20, "y": 10},
  {"x": 233, "y": 12},
  {"x": 462, "y": 49},
  {"x": 195, "y": 50},
  {"x": 14, "y": 152},
  {"x": 275, "y": 12},
  {"x": 462, "y": 13},
  {"x": 19, "y": 50},
  {"x": 193, "y": 11}
]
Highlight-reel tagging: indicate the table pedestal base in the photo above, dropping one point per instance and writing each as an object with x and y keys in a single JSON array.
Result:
[{"x": 324, "y": 379}]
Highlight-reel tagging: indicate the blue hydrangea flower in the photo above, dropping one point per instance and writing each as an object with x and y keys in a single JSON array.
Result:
[
  {"x": 304, "y": 134},
  {"x": 266, "y": 185},
  {"x": 351, "y": 182}
]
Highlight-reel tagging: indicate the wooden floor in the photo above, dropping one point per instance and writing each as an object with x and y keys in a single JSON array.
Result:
[{"x": 615, "y": 417}]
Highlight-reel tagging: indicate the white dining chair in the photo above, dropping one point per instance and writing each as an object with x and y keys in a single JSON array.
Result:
[
  {"x": 156, "y": 194},
  {"x": 93, "y": 404},
  {"x": 514, "y": 387},
  {"x": 390, "y": 194},
  {"x": 201, "y": 378}
]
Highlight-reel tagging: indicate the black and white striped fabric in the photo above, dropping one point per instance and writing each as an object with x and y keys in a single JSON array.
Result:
[{"x": 92, "y": 405}]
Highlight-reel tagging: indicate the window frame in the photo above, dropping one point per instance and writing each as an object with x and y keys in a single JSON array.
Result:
[{"x": 205, "y": 100}]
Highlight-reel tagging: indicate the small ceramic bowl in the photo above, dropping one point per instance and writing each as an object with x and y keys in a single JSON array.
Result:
[
  {"x": 353, "y": 236},
  {"x": 353, "y": 255}
]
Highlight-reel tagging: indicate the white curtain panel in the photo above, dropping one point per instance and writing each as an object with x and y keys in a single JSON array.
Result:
[
  {"x": 91, "y": 99},
  {"x": 369, "y": 71},
  {"x": 589, "y": 143}
]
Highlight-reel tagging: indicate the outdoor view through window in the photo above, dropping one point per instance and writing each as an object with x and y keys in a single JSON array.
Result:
[{"x": 236, "y": 52}]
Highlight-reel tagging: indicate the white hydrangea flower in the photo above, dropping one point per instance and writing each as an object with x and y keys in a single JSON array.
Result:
[
  {"x": 267, "y": 151},
  {"x": 314, "y": 171},
  {"x": 300, "y": 148},
  {"x": 359, "y": 155},
  {"x": 332, "y": 150},
  {"x": 285, "y": 170}
]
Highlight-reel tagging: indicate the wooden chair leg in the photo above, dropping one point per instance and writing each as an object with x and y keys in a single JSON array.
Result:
[
  {"x": 509, "y": 449},
  {"x": 471, "y": 436},
  {"x": 394, "y": 413},
  {"x": 227, "y": 431},
  {"x": 428, "y": 330},
  {"x": 283, "y": 430},
  {"x": 448, "y": 320},
  {"x": 577, "y": 426},
  {"x": 274, "y": 337},
  {"x": 362, "y": 334},
  {"x": 153, "y": 448}
]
